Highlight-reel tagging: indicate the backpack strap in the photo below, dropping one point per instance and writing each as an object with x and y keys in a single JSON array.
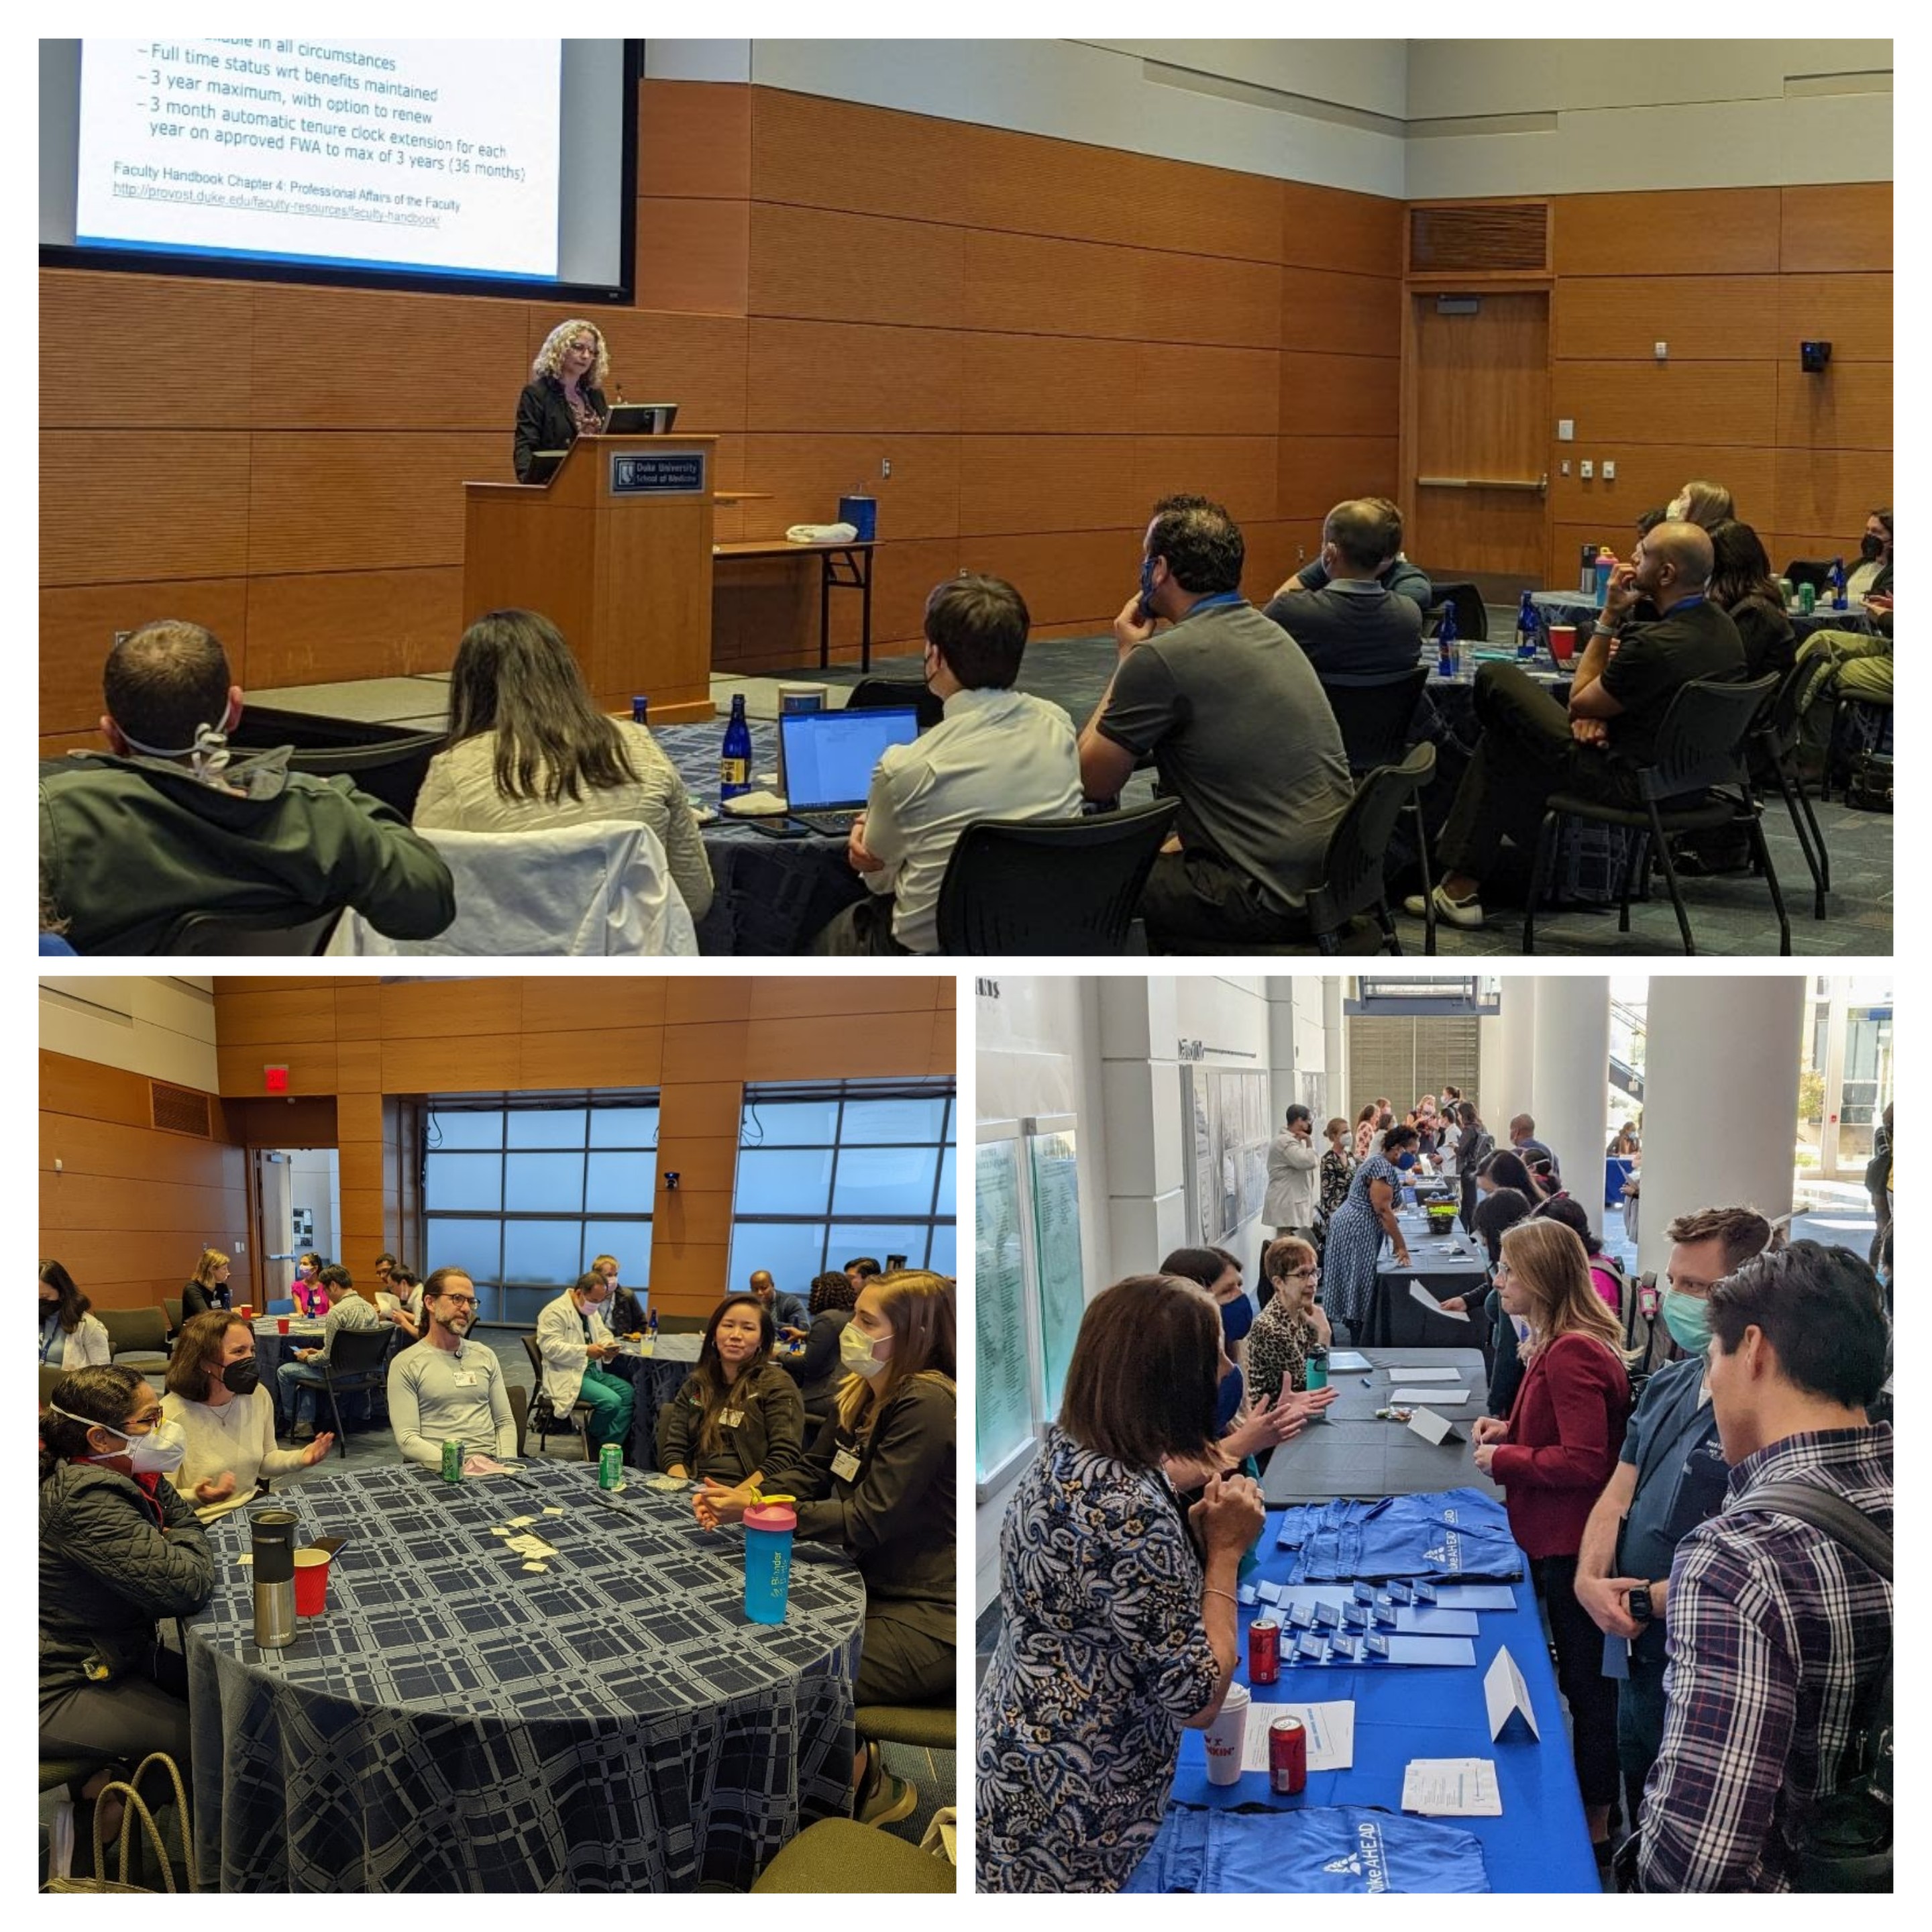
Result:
[{"x": 1843, "y": 1522}]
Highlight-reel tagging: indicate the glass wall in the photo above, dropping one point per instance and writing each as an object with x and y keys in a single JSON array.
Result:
[
  {"x": 1845, "y": 1077},
  {"x": 524, "y": 1195},
  {"x": 828, "y": 1173}
]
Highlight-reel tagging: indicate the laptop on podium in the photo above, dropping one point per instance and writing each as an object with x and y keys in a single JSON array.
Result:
[{"x": 826, "y": 759}]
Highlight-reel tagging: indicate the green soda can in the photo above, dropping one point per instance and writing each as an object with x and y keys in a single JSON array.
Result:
[
  {"x": 609, "y": 1466},
  {"x": 452, "y": 1462}
]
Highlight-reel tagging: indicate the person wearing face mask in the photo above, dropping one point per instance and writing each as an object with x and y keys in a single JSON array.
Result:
[
  {"x": 575, "y": 1344},
  {"x": 996, "y": 754},
  {"x": 1352, "y": 1253},
  {"x": 1237, "y": 726},
  {"x": 1861, "y": 664},
  {"x": 739, "y": 1421},
  {"x": 309, "y": 1291},
  {"x": 169, "y": 822},
  {"x": 1294, "y": 1180},
  {"x": 71, "y": 1338},
  {"x": 120, "y": 1548},
  {"x": 1530, "y": 747},
  {"x": 1670, "y": 1476},
  {"x": 879, "y": 1481},
  {"x": 227, "y": 1418}
]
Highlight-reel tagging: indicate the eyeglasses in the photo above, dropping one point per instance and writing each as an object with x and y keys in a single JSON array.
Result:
[
  {"x": 1303, "y": 1274},
  {"x": 459, "y": 1300}
]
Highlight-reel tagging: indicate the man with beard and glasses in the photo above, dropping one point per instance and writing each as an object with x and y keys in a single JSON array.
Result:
[
  {"x": 1531, "y": 747},
  {"x": 448, "y": 1388}
]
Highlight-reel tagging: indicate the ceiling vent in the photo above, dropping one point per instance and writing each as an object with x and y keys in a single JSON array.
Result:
[
  {"x": 179, "y": 1110},
  {"x": 1498, "y": 238}
]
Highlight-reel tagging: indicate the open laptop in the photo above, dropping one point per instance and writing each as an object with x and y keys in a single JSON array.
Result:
[
  {"x": 640, "y": 419},
  {"x": 826, "y": 759}
]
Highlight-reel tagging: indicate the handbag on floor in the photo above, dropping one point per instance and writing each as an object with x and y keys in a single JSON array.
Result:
[{"x": 137, "y": 1807}]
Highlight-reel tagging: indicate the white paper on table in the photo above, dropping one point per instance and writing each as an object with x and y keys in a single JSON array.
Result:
[
  {"x": 1417, "y": 1292},
  {"x": 1330, "y": 1729},
  {"x": 1433, "y": 1428},
  {"x": 1425, "y": 1375},
  {"x": 1475, "y": 1597},
  {"x": 386, "y": 1303},
  {"x": 1451, "y": 1787},
  {"x": 1506, "y": 1694},
  {"x": 1342, "y": 1360},
  {"x": 1446, "y": 1398}
]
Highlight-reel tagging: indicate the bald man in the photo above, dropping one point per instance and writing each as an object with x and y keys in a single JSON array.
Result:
[
  {"x": 1531, "y": 747},
  {"x": 787, "y": 1310}
]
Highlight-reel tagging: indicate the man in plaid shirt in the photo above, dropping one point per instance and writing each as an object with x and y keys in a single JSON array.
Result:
[{"x": 1775, "y": 1631}]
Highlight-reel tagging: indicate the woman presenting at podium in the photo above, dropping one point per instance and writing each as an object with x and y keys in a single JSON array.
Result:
[{"x": 564, "y": 398}]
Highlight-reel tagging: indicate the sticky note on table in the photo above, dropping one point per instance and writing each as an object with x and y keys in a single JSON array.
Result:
[
  {"x": 521, "y": 1522},
  {"x": 551, "y": 1509},
  {"x": 537, "y": 1569}
]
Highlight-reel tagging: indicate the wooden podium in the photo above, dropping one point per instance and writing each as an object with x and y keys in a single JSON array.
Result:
[{"x": 615, "y": 550}]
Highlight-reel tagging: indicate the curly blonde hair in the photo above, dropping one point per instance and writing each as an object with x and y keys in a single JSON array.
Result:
[{"x": 550, "y": 357}]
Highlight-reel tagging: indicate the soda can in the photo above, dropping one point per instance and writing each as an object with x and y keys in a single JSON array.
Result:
[
  {"x": 1287, "y": 1757},
  {"x": 1808, "y": 598},
  {"x": 452, "y": 1462},
  {"x": 641, "y": 709},
  {"x": 609, "y": 1466},
  {"x": 1264, "y": 1651}
]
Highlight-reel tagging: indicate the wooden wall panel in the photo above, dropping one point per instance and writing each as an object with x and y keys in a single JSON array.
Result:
[
  {"x": 77, "y": 628},
  {"x": 1843, "y": 226},
  {"x": 1848, "y": 407},
  {"x": 702, "y": 1001},
  {"x": 704, "y": 1051},
  {"x": 331, "y": 501},
  {"x": 776, "y": 996},
  {"x": 427, "y": 1010},
  {"x": 1190, "y": 298},
  {"x": 1031, "y": 185},
  {"x": 1080, "y": 575},
  {"x": 815, "y": 264},
  {"x": 1239, "y": 472},
  {"x": 554, "y": 1005},
  {"x": 1332, "y": 228},
  {"x": 1649, "y": 474},
  {"x": 141, "y": 351},
  {"x": 1022, "y": 483},
  {"x": 1830, "y": 489},
  {"x": 311, "y": 1065},
  {"x": 607, "y": 1057},
  {"x": 694, "y": 138},
  {"x": 808, "y": 1049},
  {"x": 1028, "y": 386},
  {"x": 1338, "y": 395},
  {"x": 1185, "y": 389},
  {"x": 279, "y": 1018},
  {"x": 1215, "y": 211},
  {"x": 699, "y": 253},
  {"x": 848, "y": 376},
  {"x": 1689, "y": 232},
  {"x": 1039, "y": 285},
  {"x": 1852, "y": 312},
  {"x": 820, "y": 153},
  {"x": 1703, "y": 318},
  {"x": 137, "y": 504},
  {"x": 323, "y": 627},
  {"x": 903, "y": 576},
  {"x": 696, "y": 362},
  {"x": 1318, "y": 471},
  {"x": 1711, "y": 403},
  {"x": 1354, "y": 315},
  {"x": 807, "y": 475}
]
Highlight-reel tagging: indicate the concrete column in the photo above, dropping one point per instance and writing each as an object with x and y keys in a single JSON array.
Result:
[
  {"x": 1147, "y": 1206},
  {"x": 1720, "y": 1099},
  {"x": 1506, "y": 1059},
  {"x": 1335, "y": 1029},
  {"x": 1571, "y": 1062}
]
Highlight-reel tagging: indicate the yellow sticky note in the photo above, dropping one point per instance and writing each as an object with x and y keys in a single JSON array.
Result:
[
  {"x": 536, "y": 1569},
  {"x": 551, "y": 1509}
]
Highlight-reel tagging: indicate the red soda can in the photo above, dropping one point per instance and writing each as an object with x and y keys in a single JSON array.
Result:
[
  {"x": 1288, "y": 1756},
  {"x": 1264, "y": 1651}
]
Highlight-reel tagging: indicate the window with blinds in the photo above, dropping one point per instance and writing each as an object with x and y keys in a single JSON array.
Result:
[{"x": 1405, "y": 1058}]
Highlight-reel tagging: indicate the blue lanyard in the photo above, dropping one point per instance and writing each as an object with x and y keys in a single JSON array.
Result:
[
  {"x": 50, "y": 1334},
  {"x": 1208, "y": 603}
]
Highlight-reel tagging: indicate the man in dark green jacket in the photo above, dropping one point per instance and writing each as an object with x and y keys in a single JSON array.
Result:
[{"x": 167, "y": 825}]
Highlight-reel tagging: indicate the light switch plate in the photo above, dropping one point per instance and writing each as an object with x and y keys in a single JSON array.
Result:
[
  {"x": 1586, "y": 470},
  {"x": 1609, "y": 473},
  {"x": 1566, "y": 429}
]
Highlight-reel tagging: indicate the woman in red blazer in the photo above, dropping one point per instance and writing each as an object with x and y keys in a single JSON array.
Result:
[{"x": 1552, "y": 1457}]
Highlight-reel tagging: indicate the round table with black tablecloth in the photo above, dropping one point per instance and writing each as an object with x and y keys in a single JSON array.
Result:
[
  {"x": 457, "y": 1724},
  {"x": 272, "y": 1348},
  {"x": 657, "y": 1378}
]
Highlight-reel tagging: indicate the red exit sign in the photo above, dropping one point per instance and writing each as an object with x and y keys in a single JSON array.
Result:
[{"x": 275, "y": 1079}]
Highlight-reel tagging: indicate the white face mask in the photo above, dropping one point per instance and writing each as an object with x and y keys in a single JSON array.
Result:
[
  {"x": 163, "y": 1448},
  {"x": 856, "y": 1352}
]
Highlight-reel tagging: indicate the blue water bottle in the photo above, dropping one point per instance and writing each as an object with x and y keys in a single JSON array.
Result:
[
  {"x": 768, "y": 1533},
  {"x": 1607, "y": 568},
  {"x": 1837, "y": 583},
  {"x": 1445, "y": 643},
  {"x": 1527, "y": 630},
  {"x": 734, "y": 764}
]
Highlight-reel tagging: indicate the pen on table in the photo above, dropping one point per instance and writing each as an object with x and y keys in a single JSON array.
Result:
[{"x": 1366, "y": 1382}]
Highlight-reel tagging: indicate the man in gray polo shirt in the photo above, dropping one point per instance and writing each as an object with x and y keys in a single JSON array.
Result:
[
  {"x": 1354, "y": 629},
  {"x": 1237, "y": 723},
  {"x": 446, "y": 1388}
]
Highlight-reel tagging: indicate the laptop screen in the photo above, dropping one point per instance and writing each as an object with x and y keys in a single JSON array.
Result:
[{"x": 829, "y": 755}]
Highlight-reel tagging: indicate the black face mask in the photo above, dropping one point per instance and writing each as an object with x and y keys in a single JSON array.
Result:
[
  {"x": 1871, "y": 548},
  {"x": 241, "y": 1378}
]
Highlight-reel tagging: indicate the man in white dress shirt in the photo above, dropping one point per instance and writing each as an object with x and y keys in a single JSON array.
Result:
[{"x": 997, "y": 754}]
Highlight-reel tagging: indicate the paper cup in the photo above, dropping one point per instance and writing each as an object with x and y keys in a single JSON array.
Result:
[
  {"x": 281, "y": 1324},
  {"x": 1563, "y": 642},
  {"x": 794, "y": 697},
  {"x": 1224, "y": 1736},
  {"x": 311, "y": 1581}
]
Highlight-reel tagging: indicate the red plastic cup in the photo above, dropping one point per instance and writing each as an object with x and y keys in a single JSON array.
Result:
[
  {"x": 311, "y": 1581},
  {"x": 281, "y": 1324},
  {"x": 246, "y": 1311},
  {"x": 1563, "y": 642}
]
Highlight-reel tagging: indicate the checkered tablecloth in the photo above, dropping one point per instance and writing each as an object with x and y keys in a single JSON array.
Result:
[{"x": 455, "y": 1724}]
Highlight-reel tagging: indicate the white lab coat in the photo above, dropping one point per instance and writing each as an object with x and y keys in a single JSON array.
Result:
[
  {"x": 560, "y": 1343},
  {"x": 1294, "y": 1182},
  {"x": 87, "y": 1347}
]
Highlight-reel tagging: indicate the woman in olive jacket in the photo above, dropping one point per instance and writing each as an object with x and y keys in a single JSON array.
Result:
[
  {"x": 879, "y": 1481},
  {"x": 119, "y": 1550}
]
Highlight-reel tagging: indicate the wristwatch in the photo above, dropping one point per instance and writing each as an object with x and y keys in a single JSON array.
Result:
[{"x": 1641, "y": 1609}]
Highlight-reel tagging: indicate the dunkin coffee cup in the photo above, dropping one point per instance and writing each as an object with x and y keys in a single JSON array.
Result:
[{"x": 1225, "y": 1736}]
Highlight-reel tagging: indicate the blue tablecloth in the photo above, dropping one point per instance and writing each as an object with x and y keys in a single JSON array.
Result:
[
  {"x": 656, "y": 1377},
  {"x": 1615, "y": 1173},
  {"x": 1540, "y": 1842},
  {"x": 1570, "y": 606}
]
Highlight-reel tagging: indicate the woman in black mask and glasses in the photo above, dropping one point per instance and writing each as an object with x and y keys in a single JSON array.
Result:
[{"x": 215, "y": 1393}]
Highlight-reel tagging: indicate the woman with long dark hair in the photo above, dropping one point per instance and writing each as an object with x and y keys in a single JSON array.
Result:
[
  {"x": 817, "y": 1371},
  {"x": 528, "y": 752},
  {"x": 738, "y": 1420},
  {"x": 71, "y": 1337},
  {"x": 1742, "y": 583}
]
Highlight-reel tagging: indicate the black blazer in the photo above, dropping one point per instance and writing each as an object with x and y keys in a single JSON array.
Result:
[{"x": 544, "y": 421}]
